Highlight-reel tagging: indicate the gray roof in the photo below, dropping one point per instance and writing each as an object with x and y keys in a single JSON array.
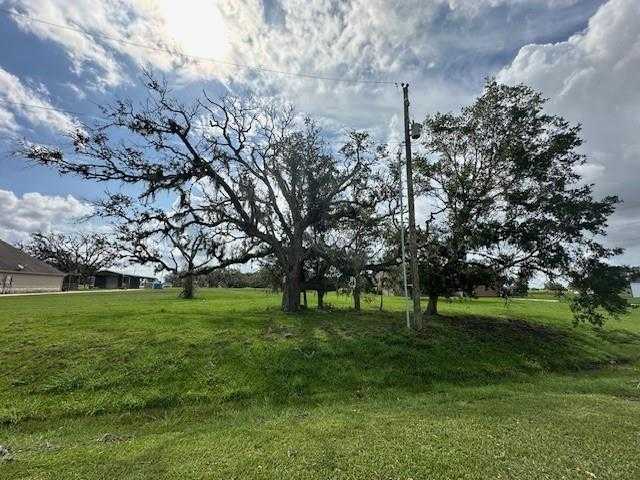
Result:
[{"x": 14, "y": 260}]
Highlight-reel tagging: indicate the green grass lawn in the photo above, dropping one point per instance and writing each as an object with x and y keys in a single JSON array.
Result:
[
  {"x": 542, "y": 294},
  {"x": 144, "y": 385}
]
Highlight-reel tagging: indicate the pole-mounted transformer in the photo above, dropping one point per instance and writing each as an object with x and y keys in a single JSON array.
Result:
[{"x": 416, "y": 130}]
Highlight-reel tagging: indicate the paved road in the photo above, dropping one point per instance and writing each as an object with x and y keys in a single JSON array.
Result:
[{"x": 97, "y": 290}]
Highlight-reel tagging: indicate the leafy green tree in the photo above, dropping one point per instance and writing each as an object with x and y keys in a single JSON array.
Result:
[
  {"x": 596, "y": 290},
  {"x": 506, "y": 200}
]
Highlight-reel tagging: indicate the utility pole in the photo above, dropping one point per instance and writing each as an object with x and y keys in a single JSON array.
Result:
[
  {"x": 413, "y": 241},
  {"x": 402, "y": 248}
]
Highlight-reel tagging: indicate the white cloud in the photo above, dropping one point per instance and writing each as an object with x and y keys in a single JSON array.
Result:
[
  {"x": 592, "y": 78},
  {"x": 194, "y": 27},
  {"x": 77, "y": 91},
  {"x": 80, "y": 48},
  {"x": 18, "y": 96},
  {"x": 370, "y": 39},
  {"x": 474, "y": 7},
  {"x": 34, "y": 212},
  {"x": 356, "y": 39}
]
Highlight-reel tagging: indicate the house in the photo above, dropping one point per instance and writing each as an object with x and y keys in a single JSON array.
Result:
[
  {"x": 111, "y": 280},
  {"x": 22, "y": 273}
]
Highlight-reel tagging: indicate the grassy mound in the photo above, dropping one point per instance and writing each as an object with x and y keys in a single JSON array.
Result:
[{"x": 226, "y": 385}]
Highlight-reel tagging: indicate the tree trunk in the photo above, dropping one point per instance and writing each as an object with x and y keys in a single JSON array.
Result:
[
  {"x": 187, "y": 287},
  {"x": 292, "y": 288},
  {"x": 356, "y": 294},
  {"x": 432, "y": 306},
  {"x": 320, "y": 299},
  {"x": 304, "y": 299},
  {"x": 356, "y": 301},
  {"x": 381, "y": 299}
]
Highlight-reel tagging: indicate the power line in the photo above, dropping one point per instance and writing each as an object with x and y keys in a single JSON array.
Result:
[
  {"x": 49, "y": 108},
  {"x": 194, "y": 57}
]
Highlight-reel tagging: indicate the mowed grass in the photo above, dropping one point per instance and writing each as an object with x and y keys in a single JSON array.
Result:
[{"x": 144, "y": 385}]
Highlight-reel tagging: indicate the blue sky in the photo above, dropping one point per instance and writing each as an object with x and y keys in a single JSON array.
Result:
[{"x": 583, "y": 54}]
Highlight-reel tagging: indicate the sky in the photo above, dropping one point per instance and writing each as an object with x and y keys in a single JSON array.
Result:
[{"x": 584, "y": 55}]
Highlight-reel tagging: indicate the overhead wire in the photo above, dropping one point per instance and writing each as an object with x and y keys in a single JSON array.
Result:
[
  {"x": 50, "y": 108},
  {"x": 174, "y": 53},
  {"x": 195, "y": 57}
]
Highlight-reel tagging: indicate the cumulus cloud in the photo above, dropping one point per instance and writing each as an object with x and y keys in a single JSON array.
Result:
[
  {"x": 592, "y": 79},
  {"x": 118, "y": 28},
  {"x": 14, "y": 100},
  {"x": 412, "y": 40},
  {"x": 34, "y": 212}
]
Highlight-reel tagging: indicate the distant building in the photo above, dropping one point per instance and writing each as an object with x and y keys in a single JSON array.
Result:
[
  {"x": 485, "y": 291},
  {"x": 22, "y": 273},
  {"x": 111, "y": 280}
]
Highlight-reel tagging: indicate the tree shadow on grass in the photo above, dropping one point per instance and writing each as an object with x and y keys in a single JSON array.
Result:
[
  {"x": 318, "y": 357},
  {"x": 618, "y": 336},
  {"x": 257, "y": 355}
]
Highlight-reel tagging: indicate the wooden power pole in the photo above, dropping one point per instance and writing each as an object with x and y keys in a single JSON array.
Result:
[
  {"x": 413, "y": 241},
  {"x": 402, "y": 244}
]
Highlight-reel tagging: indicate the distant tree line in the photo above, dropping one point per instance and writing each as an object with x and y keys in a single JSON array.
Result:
[
  {"x": 228, "y": 278},
  {"x": 253, "y": 181}
]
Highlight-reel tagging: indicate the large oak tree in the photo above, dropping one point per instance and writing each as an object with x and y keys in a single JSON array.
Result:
[{"x": 258, "y": 172}]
